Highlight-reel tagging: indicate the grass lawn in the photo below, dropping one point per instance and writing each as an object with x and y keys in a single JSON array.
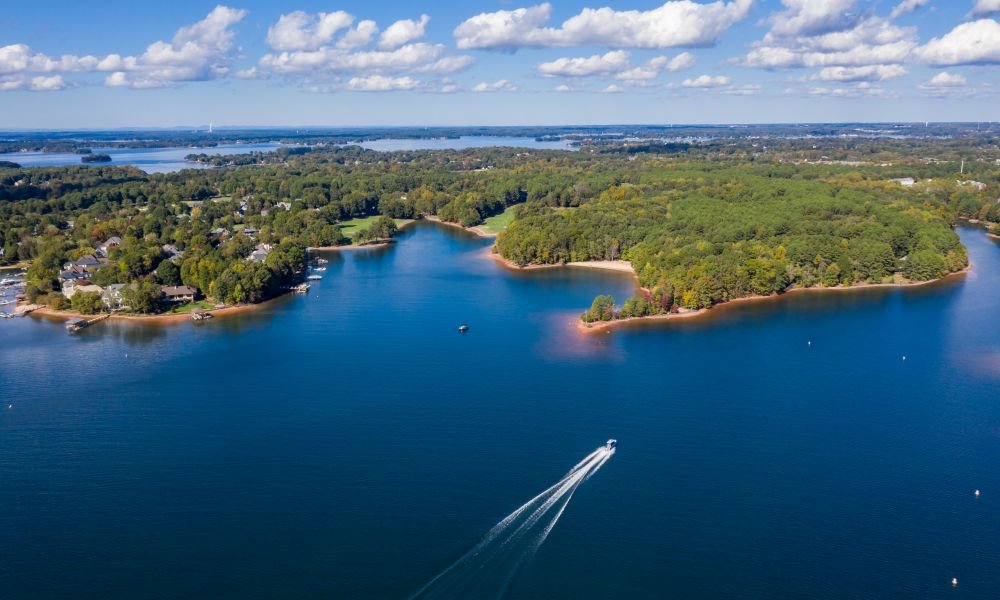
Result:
[
  {"x": 184, "y": 309},
  {"x": 497, "y": 223},
  {"x": 349, "y": 228}
]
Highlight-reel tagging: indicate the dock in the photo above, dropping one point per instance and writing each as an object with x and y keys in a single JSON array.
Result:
[{"x": 74, "y": 325}]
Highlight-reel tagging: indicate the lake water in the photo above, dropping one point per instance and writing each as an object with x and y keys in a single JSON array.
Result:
[
  {"x": 464, "y": 142},
  {"x": 150, "y": 160},
  {"x": 351, "y": 443}
]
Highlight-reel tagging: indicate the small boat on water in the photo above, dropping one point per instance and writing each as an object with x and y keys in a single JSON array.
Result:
[
  {"x": 301, "y": 288},
  {"x": 314, "y": 277},
  {"x": 611, "y": 445},
  {"x": 321, "y": 261},
  {"x": 463, "y": 328},
  {"x": 319, "y": 269},
  {"x": 200, "y": 315}
]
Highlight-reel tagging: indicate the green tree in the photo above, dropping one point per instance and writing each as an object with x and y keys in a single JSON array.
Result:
[
  {"x": 602, "y": 309},
  {"x": 168, "y": 273},
  {"x": 87, "y": 303}
]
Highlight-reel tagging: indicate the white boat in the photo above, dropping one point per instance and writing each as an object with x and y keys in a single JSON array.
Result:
[
  {"x": 319, "y": 269},
  {"x": 611, "y": 445},
  {"x": 314, "y": 277}
]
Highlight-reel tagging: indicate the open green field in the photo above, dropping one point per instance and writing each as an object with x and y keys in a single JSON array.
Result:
[
  {"x": 184, "y": 309},
  {"x": 497, "y": 223},
  {"x": 349, "y": 228}
]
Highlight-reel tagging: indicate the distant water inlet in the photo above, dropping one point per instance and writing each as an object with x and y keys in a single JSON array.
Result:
[{"x": 491, "y": 566}]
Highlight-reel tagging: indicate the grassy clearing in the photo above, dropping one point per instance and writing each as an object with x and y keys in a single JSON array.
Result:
[
  {"x": 184, "y": 309},
  {"x": 497, "y": 223},
  {"x": 349, "y": 228}
]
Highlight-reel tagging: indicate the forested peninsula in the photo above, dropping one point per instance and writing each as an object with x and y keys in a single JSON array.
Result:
[
  {"x": 701, "y": 223},
  {"x": 699, "y": 235}
]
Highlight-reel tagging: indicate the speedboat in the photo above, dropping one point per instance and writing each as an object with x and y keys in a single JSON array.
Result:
[{"x": 611, "y": 445}]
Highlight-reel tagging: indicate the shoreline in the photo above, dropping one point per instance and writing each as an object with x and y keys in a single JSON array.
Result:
[
  {"x": 65, "y": 315},
  {"x": 690, "y": 313},
  {"x": 476, "y": 230},
  {"x": 617, "y": 266}
]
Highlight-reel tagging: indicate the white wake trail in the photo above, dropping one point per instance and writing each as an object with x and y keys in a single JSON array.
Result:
[{"x": 490, "y": 566}]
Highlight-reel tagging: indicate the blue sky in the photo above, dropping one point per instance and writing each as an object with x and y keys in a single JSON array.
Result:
[{"x": 124, "y": 64}]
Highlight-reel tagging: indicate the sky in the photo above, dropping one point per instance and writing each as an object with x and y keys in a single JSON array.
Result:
[{"x": 68, "y": 65}]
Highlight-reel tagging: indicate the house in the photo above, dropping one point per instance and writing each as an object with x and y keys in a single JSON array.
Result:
[
  {"x": 72, "y": 287},
  {"x": 112, "y": 242},
  {"x": 220, "y": 232},
  {"x": 113, "y": 296},
  {"x": 179, "y": 293},
  {"x": 905, "y": 181},
  {"x": 88, "y": 263},
  {"x": 174, "y": 254},
  {"x": 260, "y": 253},
  {"x": 285, "y": 205},
  {"x": 74, "y": 273},
  {"x": 251, "y": 232},
  {"x": 976, "y": 185}
]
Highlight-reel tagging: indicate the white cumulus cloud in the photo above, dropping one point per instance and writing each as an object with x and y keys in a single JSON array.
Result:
[
  {"x": 611, "y": 62},
  {"x": 381, "y": 83},
  {"x": 907, "y": 6},
  {"x": 985, "y": 7},
  {"x": 974, "y": 43},
  {"x": 865, "y": 73},
  {"x": 812, "y": 17},
  {"x": 676, "y": 23},
  {"x": 403, "y": 32},
  {"x": 300, "y": 31},
  {"x": 197, "y": 52},
  {"x": 706, "y": 81},
  {"x": 501, "y": 85}
]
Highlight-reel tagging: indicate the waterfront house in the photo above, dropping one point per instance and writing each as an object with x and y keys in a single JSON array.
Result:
[
  {"x": 114, "y": 296},
  {"x": 71, "y": 287},
  {"x": 179, "y": 293}
]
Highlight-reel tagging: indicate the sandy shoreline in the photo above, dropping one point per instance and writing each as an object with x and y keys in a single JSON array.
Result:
[
  {"x": 606, "y": 325},
  {"x": 65, "y": 315},
  {"x": 475, "y": 229},
  {"x": 620, "y": 266}
]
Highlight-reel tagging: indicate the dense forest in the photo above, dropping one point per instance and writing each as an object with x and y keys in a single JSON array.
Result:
[
  {"x": 702, "y": 222},
  {"x": 699, "y": 235}
]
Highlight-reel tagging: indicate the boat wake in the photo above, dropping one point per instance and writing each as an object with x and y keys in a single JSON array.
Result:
[{"x": 491, "y": 566}]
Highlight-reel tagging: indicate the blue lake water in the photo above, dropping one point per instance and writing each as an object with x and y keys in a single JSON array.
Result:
[
  {"x": 150, "y": 160},
  {"x": 351, "y": 443},
  {"x": 464, "y": 142}
]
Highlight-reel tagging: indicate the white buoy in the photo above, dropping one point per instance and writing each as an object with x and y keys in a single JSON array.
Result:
[
  {"x": 954, "y": 581},
  {"x": 977, "y": 493},
  {"x": 809, "y": 343},
  {"x": 904, "y": 357}
]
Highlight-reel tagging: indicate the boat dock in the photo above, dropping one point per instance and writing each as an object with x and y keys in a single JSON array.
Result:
[{"x": 74, "y": 325}]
